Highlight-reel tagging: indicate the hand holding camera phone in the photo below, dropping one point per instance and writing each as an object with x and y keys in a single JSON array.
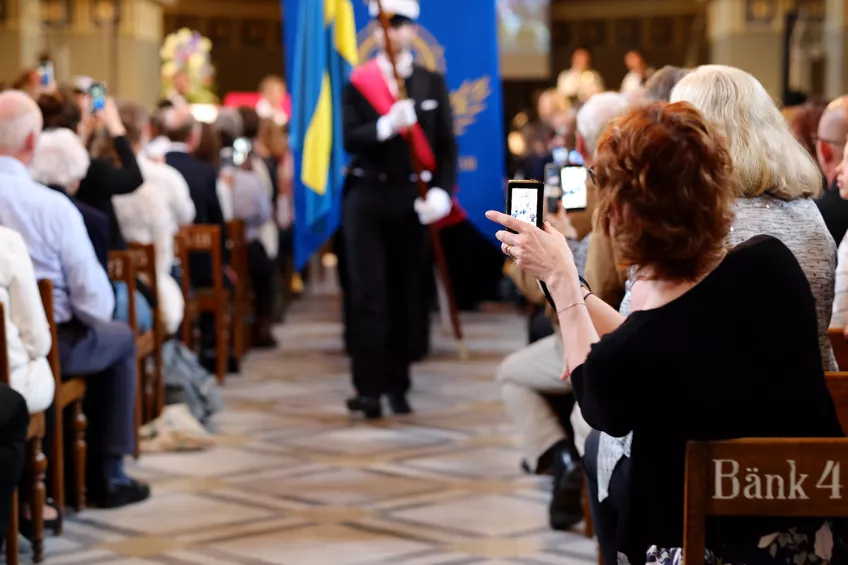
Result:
[
  {"x": 97, "y": 93},
  {"x": 238, "y": 155},
  {"x": 46, "y": 75}
]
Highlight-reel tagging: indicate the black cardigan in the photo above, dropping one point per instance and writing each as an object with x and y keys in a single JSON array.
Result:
[
  {"x": 103, "y": 181},
  {"x": 736, "y": 356}
]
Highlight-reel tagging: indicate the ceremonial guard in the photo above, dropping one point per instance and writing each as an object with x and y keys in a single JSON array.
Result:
[{"x": 384, "y": 220}]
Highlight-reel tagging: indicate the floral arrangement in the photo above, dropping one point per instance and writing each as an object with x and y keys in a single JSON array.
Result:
[{"x": 188, "y": 50}]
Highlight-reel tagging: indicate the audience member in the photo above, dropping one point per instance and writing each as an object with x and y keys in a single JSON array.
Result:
[
  {"x": 830, "y": 141},
  {"x": 154, "y": 214},
  {"x": 661, "y": 83},
  {"x": 580, "y": 82},
  {"x": 27, "y": 331},
  {"x": 251, "y": 204},
  {"x": 106, "y": 179},
  {"x": 805, "y": 123},
  {"x": 682, "y": 312},
  {"x": 602, "y": 272},
  {"x": 159, "y": 142},
  {"x": 90, "y": 343},
  {"x": 14, "y": 422},
  {"x": 179, "y": 94},
  {"x": 840, "y": 297}
]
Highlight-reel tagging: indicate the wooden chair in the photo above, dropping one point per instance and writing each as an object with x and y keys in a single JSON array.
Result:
[
  {"x": 190, "y": 308},
  {"x": 70, "y": 392},
  {"x": 837, "y": 384},
  {"x": 237, "y": 243},
  {"x": 121, "y": 270},
  {"x": 149, "y": 344},
  {"x": 840, "y": 347},
  {"x": 36, "y": 466},
  {"x": 717, "y": 479},
  {"x": 215, "y": 299}
]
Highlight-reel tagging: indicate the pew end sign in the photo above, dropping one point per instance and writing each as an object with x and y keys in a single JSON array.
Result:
[{"x": 769, "y": 477}]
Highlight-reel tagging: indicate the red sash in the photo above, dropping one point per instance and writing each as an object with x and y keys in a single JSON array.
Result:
[{"x": 368, "y": 80}]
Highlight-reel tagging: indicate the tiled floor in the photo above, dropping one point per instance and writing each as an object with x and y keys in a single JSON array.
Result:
[{"x": 295, "y": 481}]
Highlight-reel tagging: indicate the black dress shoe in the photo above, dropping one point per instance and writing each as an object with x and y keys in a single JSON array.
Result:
[
  {"x": 399, "y": 404},
  {"x": 566, "y": 509},
  {"x": 369, "y": 407},
  {"x": 116, "y": 494}
]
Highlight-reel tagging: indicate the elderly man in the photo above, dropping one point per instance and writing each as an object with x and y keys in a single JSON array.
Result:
[
  {"x": 830, "y": 142},
  {"x": 90, "y": 342},
  {"x": 531, "y": 374}
]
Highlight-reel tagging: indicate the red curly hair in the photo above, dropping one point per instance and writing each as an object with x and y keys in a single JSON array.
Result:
[{"x": 665, "y": 192}]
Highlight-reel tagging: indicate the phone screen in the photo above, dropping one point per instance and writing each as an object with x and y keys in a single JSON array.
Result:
[
  {"x": 45, "y": 74},
  {"x": 97, "y": 91},
  {"x": 241, "y": 150},
  {"x": 525, "y": 200},
  {"x": 573, "y": 181}
]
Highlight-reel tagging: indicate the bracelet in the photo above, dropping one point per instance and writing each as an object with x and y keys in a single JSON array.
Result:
[
  {"x": 570, "y": 306},
  {"x": 587, "y": 295}
]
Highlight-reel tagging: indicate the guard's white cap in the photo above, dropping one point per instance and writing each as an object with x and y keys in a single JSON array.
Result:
[{"x": 406, "y": 8}]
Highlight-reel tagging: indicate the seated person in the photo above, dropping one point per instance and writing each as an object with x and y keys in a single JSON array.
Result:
[
  {"x": 14, "y": 422},
  {"x": 528, "y": 379},
  {"x": 60, "y": 162},
  {"x": 251, "y": 204},
  {"x": 692, "y": 361},
  {"x": 154, "y": 213},
  {"x": 89, "y": 341},
  {"x": 27, "y": 331}
]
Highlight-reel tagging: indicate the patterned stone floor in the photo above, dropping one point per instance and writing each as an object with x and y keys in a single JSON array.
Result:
[{"x": 294, "y": 481}]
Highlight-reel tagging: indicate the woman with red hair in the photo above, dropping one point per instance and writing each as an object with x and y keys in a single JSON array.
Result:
[{"x": 692, "y": 360}]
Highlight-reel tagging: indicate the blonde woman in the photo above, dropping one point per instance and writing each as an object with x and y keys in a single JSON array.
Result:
[{"x": 775, "y": 181}]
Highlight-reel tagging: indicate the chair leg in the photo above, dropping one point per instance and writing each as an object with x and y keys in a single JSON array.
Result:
[
  {"x": 80, "y": 424},
  {"x": 589, "y": 528},
  {"x": 158, "y": 380},
  {"x": 220, "y": 345},
  {"x": 12, "y": 549},
  {"x": 37, "y": 497},
  {"x": 139, "y": 404},
  {"x": 57, "y": 457}
]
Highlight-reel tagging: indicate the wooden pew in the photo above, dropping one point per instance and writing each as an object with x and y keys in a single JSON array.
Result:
[
  {"x": 237, "y": 243},
  {"x": 36, "y": 466},
  {"x": 729, "y": 461},
  {"x": 149, "y": 344},
  {"x": 840, "y": 347},
  {"x": 214, "y": 299},
  {"x": 70, "y": 392}
]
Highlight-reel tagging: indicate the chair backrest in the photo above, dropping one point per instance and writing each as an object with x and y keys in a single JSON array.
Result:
[
  {"x": 837, "y": 384},
  {"x": 181, "y": 259},
  {"x": 206, "y": 239},
  {"x": 840, "y": 347},
  {"x": 45, "y": 289},
  {"x": 121, "y": 269},
  {"x": 143, "y": 256},
  {"x": 760, "y": 477},
  {"x": 4, "y": 349}
]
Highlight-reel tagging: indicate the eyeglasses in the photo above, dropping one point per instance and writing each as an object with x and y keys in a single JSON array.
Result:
[
  {"x": 591, "y": 172},
  {"x": 816, "y": 139}
]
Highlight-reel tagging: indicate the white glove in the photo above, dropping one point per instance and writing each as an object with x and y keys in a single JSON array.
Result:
[
  {"x": 436, "y": 206},
  {"x": 400, "y": 116}
]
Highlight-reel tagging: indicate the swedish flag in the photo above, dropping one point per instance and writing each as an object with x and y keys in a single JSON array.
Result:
[{"x": 325, "y": 55}]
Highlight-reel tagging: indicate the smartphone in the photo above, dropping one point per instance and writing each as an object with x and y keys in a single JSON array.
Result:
[
  {"x": 46, "y": 76},
  {"x": 241, "y": 151},
  {"x": 525, "y": 201},
  {"x": 97, "y": 92},
  {"x": 560, "y": 155},
  {"x": 573, "y": 182}
]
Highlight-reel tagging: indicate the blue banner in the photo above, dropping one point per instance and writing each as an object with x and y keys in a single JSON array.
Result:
[{"x": 460, "y": 40}]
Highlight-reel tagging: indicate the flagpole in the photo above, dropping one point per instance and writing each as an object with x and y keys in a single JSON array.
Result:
[{"x": 438, "y": 251}]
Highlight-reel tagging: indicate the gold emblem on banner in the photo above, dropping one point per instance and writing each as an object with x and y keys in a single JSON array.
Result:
[{"x": 467, "y": 102}]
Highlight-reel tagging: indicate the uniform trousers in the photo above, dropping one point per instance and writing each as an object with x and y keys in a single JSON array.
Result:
[{"x": 387, "y": 261}]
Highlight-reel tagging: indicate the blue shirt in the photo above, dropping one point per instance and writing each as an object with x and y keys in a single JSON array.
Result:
[{"x": 58, "y": 244}]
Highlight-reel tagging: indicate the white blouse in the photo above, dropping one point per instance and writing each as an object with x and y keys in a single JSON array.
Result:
[
  {"x": 840, "y": 298},
  {"x": 27, "y": 331}
]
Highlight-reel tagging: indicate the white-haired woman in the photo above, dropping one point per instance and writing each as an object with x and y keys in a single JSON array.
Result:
[
  {"x": 61, "y": 162},
  {"x": 775, "y": 181}
]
